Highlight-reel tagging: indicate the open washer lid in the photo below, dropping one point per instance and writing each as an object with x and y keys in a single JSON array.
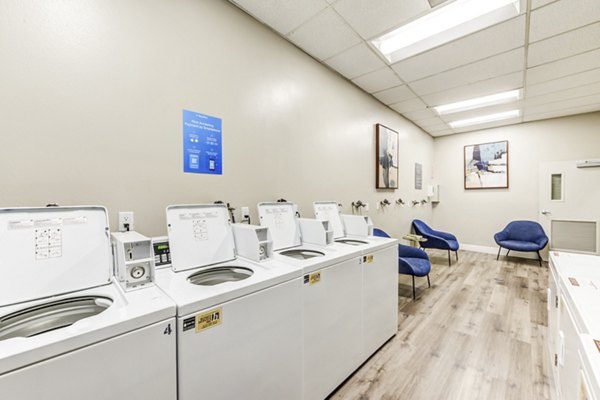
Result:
[
  {"x": 199, "y": 235},
  {"x": 281, "y": 220},
  {"x": 329, "y": 211},
  {"x": 52, "y": 250}
]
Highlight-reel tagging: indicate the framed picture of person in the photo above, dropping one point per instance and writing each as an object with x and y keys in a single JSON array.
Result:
[{"x": 386, "y": 165}]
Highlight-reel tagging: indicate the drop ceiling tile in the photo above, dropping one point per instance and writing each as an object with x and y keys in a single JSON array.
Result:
[
  {"x": 376, "y": 81},
  {"x": 356, "y": 61},
  {"x": 502, "y": 64},
  {"x": 562, "y": 16},
  {"x": 568, "y": 66},
  {"x": 539, "y": 3},
  {"x": 497, "y": 39},
  {"x": 435, "y": 3},
  {"x": 424, "y": 113},
  {"x": 394, "y": 95},
  {"x": 428, "y": 123},
  {"x": 405, "y": 106},
  {"x": 373, "y": 17},
  {"x": 283, "y": 16},
  {"x": 562, "y": 112},
  {"x": 563, "y": 105},
  {"x": 482, "y": 88},
  {"x": 434, "y": 128},
  {"x": 566, "y": 82},
  {"x": 324, "y": 35},
  {"x": 565, "y": 45},
  {"x": 562, "y": 95}
]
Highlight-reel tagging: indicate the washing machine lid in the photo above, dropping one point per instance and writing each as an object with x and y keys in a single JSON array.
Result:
[
  {"x": 49, "y": 251},
  {"x": 329, "y": 211},
  {"x": 281, "y": 220},
  {"x": 199, "y": 235}
]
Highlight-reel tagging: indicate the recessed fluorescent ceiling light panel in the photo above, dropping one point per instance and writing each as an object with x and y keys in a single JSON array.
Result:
[
  {"x": 444, "y": 24},
  {"x": 485, "y": 118},
  {"x": 471, "y": 104}
]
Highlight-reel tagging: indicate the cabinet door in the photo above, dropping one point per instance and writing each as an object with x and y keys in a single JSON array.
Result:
[{"x": 569, "y": 363}]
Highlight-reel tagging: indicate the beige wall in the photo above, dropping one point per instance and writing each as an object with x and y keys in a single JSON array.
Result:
[
  {"x": 475, "y": 215},
  {"x": 91, "y": 94}
]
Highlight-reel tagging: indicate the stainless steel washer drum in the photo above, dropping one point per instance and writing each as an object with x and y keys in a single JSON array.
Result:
[
  {"x": 46, "y": 317},
  {"x": 302, "y": 254},
  {"x": 217, "y": 275}
]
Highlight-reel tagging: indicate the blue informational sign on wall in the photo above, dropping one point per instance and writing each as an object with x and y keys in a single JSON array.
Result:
[{"x": 202, "y": 149}]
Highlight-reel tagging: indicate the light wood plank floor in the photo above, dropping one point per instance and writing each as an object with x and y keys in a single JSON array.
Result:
[{"x": 478, "y": 333}]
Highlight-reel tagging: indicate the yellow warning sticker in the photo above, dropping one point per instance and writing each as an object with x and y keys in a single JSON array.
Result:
[
  {"x": 314, "y": 278},
  {"x": 369, "y": 258},
  {"x": 209, "y": 319}
]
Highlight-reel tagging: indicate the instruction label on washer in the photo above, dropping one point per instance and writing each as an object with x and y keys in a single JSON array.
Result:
[
  {"x": 313, "y": 278},
  {"x": 209, "y": 319},
  {"x": 200, "y": 229},
  {"x": 48, "y": 243},
  {"x": 368, "y": 259}
]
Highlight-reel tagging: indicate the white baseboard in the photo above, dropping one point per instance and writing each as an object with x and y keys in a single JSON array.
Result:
[{"x": 494, "y": 250}]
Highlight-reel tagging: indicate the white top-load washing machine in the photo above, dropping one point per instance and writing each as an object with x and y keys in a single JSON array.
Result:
[
  {"x": 239, "y": 322},
  {"x": 577, "y": 313},
  {"x": 379, "y": 273},
  {"x": 589, "y": 378},
  {"x": 69, "y": 331},
  {"x": 331, "y": 295}
]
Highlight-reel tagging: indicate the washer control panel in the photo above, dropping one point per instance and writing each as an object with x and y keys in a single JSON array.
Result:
[{"x": 162, "y": 252}]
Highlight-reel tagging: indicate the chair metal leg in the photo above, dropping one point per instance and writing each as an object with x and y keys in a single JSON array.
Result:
[
  {"x": 507, "y": 252},
  {"x": 539, "y": 258},
  {"x": 428, "y": 282},
  {"x": 449, "y": 259},
  {"x": 498, "y": 256},
  {"x": 414, "y": 294},
  {"x": 456, "y": 254}
]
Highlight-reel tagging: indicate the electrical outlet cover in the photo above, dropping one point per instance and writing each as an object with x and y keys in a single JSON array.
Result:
[{"x": 126, "y": 218}]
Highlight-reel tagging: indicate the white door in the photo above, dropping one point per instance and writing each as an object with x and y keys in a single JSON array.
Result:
[{"x": 569, "y": 203}]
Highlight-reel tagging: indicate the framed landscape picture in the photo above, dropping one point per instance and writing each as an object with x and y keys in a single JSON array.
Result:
[
  {"x": 486, "y": 165},
  {"x": 386, "y": 166}
]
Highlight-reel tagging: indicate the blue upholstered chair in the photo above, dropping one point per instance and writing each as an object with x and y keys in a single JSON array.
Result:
[
  {"x": 522, "y": 236},
  {"x": 411, "y": 261},
  {"x": 436, "y": 239}
]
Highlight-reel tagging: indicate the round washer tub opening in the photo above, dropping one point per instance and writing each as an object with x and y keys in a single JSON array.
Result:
[
  {"x": 302, "y": 254},
  {"x": 46, "y": 317},
  {"x": 218, "y": 275},
  {"x": 351, "y": 242}
]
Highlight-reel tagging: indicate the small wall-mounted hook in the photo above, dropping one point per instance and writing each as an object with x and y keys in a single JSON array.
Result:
[
  {"x": 358, "y": 204},
  {"x": 384, "y": 202},
  {"x": 424, "y": 201},
  {"x": 282, "y": 200},
  {"x": 415, "y": 202},
  {"x": 400, "y": 202}
]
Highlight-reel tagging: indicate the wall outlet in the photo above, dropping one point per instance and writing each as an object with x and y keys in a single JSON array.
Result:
[
  {"x": 245, "y": 213},
  {"x": 126, "y": 221}
]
